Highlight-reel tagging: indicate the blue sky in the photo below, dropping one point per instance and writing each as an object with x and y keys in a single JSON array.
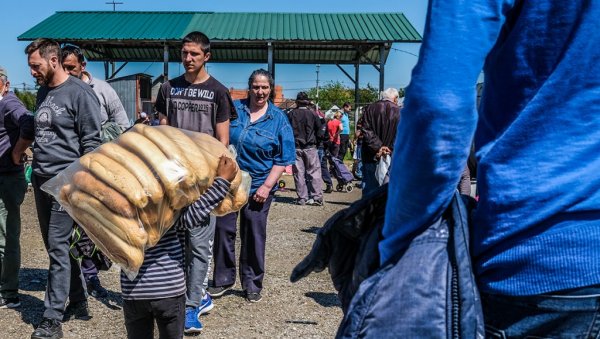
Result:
[{"x": 18, "y": 17}]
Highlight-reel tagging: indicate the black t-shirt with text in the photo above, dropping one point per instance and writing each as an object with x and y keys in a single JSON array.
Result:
[{"x": 195, "y": 107}]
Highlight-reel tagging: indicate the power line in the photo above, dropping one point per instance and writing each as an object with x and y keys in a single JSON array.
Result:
[{"x": 403, "y": 51}]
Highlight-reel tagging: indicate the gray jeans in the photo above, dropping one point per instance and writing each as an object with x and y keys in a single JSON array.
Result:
[
  {"x": 198, "y": 257},
  {"x": 64, "y": 274},
  {"x": 12, "y": 193},
  {"x": 307, "y": 174}
]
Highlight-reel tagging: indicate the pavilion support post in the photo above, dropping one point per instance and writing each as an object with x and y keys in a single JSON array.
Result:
[
  {"x": 356, "y": 92},
  {"x": 166, "y": 62},
  {"x": 381, "y": 67},
  {"x": 106, "y": 70},
  {"x": 271, "y": 59},
  {"x": 118, "y": 69},
  {"x": 356, "y": 84}
]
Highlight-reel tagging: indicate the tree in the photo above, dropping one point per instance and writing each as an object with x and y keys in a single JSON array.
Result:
[
  {"x": 332, "y": 93},
  {"x": 335, "y": 93},
  {"x": 369, "y": 94},
  {"x": 27, "y": 98}
]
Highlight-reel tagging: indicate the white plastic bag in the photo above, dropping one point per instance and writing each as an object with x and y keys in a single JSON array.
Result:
[{"x": 383, "y": 169}]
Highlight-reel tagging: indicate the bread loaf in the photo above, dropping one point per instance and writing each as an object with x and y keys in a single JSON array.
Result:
[
  {"x": 213, "y": 149},
  {"x": 116, "y": 176},
  {"x": 119, "y": 251},
  {"x": 196, "y": 158},
  {"x": 240, "y": 198},
  {"x": 225, "y": 207},
  {"x": 137, "y": 167},
  {"x": 128, "y": 230},
  {"x": 170, "y": 149},
  {"x": 115, "y": 201},
  {"x": 157, "y": 219},
  {"x": 169, "y": 173}
]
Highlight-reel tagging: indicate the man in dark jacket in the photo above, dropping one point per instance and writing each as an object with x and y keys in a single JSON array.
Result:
[
  {"x": 380, "y": 120},
  {"x": 16, "y": 134},
  {"x": 307, "y": 169}
]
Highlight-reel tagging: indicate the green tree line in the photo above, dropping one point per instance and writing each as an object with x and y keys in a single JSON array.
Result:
[
  {"x": 27, "y": 98},
  {"x": 335, "y": 93}
]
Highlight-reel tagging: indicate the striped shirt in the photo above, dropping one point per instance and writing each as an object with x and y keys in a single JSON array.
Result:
[{"x": 162, "y": 272}]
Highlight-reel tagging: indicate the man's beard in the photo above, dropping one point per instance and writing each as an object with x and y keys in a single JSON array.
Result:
[{"x": 46, "y": 78}]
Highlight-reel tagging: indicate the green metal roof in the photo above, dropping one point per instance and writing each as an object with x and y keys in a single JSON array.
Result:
[{"x": 239, "y": 37}]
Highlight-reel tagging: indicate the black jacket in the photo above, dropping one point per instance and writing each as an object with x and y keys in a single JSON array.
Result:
[
  {"x": 306, "y": 125},
  {"x": 380, "y": 121}
]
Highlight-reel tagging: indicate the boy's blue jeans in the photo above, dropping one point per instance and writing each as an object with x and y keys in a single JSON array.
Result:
[{"x": 569, "y": 314}]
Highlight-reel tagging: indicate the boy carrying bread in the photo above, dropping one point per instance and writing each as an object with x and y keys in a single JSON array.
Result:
[{"x": 158, "y": 291}]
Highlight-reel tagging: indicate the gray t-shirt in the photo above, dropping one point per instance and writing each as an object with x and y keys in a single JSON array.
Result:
[
  {"x": 67, "y": 126},
  {"x": 195, "y": 107}
]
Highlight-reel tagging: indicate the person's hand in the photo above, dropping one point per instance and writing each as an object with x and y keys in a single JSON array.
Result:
[
  {"x": 384, "y": 150},
  {"x": 18, "y": 158},
  {"x": 262, "y": 193},
  {"x": 227, "y": 168}
]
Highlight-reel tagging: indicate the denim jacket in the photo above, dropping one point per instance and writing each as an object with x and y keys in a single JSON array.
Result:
[{"x": 262, "y": 144}]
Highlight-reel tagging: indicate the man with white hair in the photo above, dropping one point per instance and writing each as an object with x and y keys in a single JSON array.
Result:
[{"x": 380, "y": 120}]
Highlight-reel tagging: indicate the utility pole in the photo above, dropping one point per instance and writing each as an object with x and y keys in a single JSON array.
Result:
[
  {"x": 114, "y": 4},
  {"x": 317, "y": 104}
]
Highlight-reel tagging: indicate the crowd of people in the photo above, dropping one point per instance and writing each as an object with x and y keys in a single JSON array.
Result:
[
  {"x": 535, "y": 136},
  {"x": 76, "y": 112}
]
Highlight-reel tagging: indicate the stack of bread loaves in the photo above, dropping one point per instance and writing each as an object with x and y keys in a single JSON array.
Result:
[{"x": 127, "y": 193}]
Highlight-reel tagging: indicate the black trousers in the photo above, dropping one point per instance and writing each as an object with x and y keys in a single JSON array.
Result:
[
  {"x": 344, "y": 143},
  {"x": 253, "y": 236},
  {"x": 65, "y": 281},
  {"x": 169, "y": 314}
]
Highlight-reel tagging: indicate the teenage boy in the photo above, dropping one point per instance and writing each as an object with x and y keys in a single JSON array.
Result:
[{"x": 197, "y": 102}]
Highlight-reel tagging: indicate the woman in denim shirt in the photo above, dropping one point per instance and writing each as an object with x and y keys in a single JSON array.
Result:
[{"x": 264, "y": 141}]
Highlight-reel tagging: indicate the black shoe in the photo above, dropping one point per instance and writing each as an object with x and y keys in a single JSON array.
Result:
[
  {"x": 79, "y": 310},
  {"x": 216, "y": 292},
  {"x": 10, "y": 302},
  {"x": 48, "y": 329},
  {"x": 253, "y": 297},
  {"x": 328, "y": 189},
  {"x": 95, "y": 289}
]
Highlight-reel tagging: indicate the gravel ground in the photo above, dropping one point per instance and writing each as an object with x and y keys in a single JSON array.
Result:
[{"x": 307, "y": 309}]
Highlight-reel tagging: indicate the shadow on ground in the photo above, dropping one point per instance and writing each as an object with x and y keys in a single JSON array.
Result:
[
  {"x": 33, "y": 279},
  {"x": 285, "y": 200},
  {"x": 338, "y": 203},
  {"x": 324, "y": 299},
  {"x": 113, "y": 300},
  {"x": 31, "y": 309}
]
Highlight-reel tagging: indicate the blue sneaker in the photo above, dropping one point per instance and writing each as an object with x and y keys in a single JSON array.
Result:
[
  {"x": 192, "y": 324},
  {"x": 206, "y": 304}
]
